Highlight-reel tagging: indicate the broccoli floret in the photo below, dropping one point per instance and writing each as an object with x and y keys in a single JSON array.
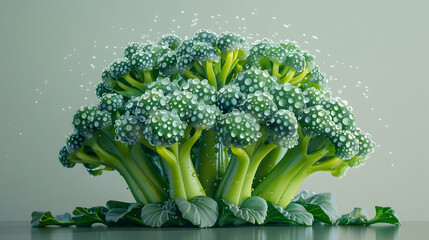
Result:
[
  {"x": 149, "y": 102},
  {"x": 133, "y": 48},
  {"x": 313, "y": 97},
  {"x": 164, "y": 128},
  {"x": 295, "y": 62},
  {"x": 237, "y": 129},
  {"x": 64, "y": 157},
  {"x": 144, "y": 62},
  {"x": 164, "y": 84},
  {"x": 366, "y": 147},
  {"x": 260, "y": 105},
  {"x": 202, "y": 89},
  {"x": 290, "y": 46},
  {"x": 88, "y": 119},
  {"x": 172, "y": 41},
  {"x": 179, "y": 102},
  {"x": 129, "y": 129},
  {"x": 256, "y": 54},
  {"x": 340, "y": 112},
  {"x": 282, "y": 129},
  {"x": 253, "y": 80},
  {"x": 315, "y": 79},
  {"x": 276, "y": 54},
  {"x": 167, "y": 64},
  {"x": 185, "y": 47},
  {"x": 230, "y": 97},
  {"x": 74, "y": 141},
  {"x": 288, "y": 97},
  {"x": 207, "y": 55},
  {"x": 102, "y": 88},
  {"x": 233, "y": 48},
  {"x": 111, "y": 102},
  {"x": 205, "y": 36}
]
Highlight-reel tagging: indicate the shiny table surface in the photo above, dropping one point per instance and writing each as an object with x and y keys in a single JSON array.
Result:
[{"x": 408, "y": 230}]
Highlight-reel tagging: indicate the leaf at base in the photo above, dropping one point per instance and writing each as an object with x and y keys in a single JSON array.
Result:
[
  {"x": 42, "y": 219},
  {"x": 252, "y": 210},
  {"x": 323, "y": 205},
  {"x": 358, "y": 216},
  {"x": 129, "y": 215},
  {"x": 293, "y": 214},
  {"x": 384, "y": 215},
  {"x": 85, "y": 217},
  {"x": 200, "y": 211},
  {"x": 158, "y": 214}
]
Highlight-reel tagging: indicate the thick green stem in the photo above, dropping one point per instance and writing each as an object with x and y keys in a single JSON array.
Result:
[
  {"x": 148, "y": 168},
  {"x": 207, "y": 164},
  {"x": 271, "y": 188},
  {"x": 147, "y": 76},
  {"x": 326, "y": 165},
  {"x": 130, "y": 90},
  {"x": 153, "y": 193},
  {"x": 284, "y": 71},
  {"x": 293, "y": 186},
  {"x": 177, "y": 188},
  {"x": 85, "y": 158},
  {"x": 190, "y": 179},
  {"x": 269, "y": 162},
  {"x": 238, "y": 69},
  {"x": 225, "y": 69},
  {"x": 277, "y": 181},
  {"x": 117, "y": 163},
  {"x": 147, "y": 144},
  {"x": 222, "y": 160},
  {"x": 275, "y": 71},
  {"x": 300, "y": 76},
  {"x": 255, "y": 160},
  {"x": 233, "y": 182},
  {"x": 211, "y": 77},
  {"x": 288, "y": 76},
  {"x": 188, "y": 74},
  {"x": 199, "y": 68},
  {"x": 132, "y": 81}
]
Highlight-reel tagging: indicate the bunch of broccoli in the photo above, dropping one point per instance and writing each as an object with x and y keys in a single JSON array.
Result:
[{"x": 214, "y": 117}]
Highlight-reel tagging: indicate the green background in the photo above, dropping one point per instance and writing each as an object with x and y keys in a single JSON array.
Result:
[{"x": 52, "y": 54}]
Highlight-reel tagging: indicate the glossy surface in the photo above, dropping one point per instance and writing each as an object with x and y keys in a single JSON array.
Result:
[{"x": 408, "y": 230}]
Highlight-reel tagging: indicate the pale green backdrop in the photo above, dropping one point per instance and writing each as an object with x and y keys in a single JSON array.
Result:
[{"x": 52, "y": 53}]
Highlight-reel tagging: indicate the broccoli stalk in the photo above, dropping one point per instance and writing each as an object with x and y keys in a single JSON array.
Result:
[
  {"x": 200, "y": 117},
  {"x": 92, "y": 144}
]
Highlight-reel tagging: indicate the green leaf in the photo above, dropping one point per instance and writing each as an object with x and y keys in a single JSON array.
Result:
[
  {"x": 128, "y": 215},
  {"x": 384, "y": 215},
  {"x": 117, "y": 204},
  {"x": 158, "y": 214},
  {"x": 200, "y": 211},
  {"x": 252, "y": 210},
  {"x": 85, "y": 217},
  {"x": 42, "y": 219},
  {"x": 323, "y": 205},
  {"x": 358, "y": 216},
  {"x": 293, "y": 214}
]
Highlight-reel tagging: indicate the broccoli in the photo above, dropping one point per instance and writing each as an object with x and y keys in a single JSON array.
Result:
[{"x": 210, "y": 116}]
